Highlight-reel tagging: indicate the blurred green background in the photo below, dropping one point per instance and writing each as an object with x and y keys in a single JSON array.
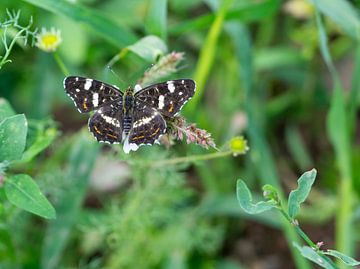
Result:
[{"x": 285, "y": 74}]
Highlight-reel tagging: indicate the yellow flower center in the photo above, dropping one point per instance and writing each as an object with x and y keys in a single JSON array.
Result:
[
  {"x": 238, "y": 145},
  {"x": 49, "y": 40}
]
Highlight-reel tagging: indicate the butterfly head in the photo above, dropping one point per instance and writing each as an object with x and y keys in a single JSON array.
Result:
[{"x": 128, "y": 100}]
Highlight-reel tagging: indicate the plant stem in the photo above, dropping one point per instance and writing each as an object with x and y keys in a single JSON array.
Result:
[
  {"x": 8, "y": 49},
  {"x": 192, "y": 158},
  {"x": 304, "y": 236},
  {"x": 60, "y": 64}
]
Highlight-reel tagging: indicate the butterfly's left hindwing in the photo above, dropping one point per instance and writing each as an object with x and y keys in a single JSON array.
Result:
[
  {"x": 89, "y": 94},
  {"x": 106, "y": 124},
  {"x": 168, "y": 97}
]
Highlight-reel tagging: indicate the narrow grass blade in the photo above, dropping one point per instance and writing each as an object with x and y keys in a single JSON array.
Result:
[
  {"x": 343, "y": 13},
  {"x": 102, "y": 25},
  {"x": 298, "y": 196},
  {"x": 13, "y": 132},
  {"x": 249, "y": 12},
  {"x": 338, "y": 131},
  {"x": 245, "y": 200},
  {"x": 259, "y": 147},
  {"x": 207, "y": 54},
  {"x": 156, "y": 19},
  {"x": 297, "y": 148},
  {"x": 81, "y": 162},
  {"x": 23, "y": 192}
]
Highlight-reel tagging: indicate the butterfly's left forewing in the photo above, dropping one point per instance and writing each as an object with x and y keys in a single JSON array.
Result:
[{"x": 90, "y": 94}]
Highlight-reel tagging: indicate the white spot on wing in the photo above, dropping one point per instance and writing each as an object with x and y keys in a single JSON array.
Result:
[
  {"x": 77, "y": 90},
  {"x": 161, "y": 102},
  {"x": 95, "y": 99},
  {"x": 171, "y": 86},
  {"x": 88, "y": 83},
  {"x": 180, "y": 93},
  {"x": 110, "y": 120}
]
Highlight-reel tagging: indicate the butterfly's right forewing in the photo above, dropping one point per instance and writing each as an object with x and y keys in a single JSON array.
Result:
[{"x": 90, "y": 94}]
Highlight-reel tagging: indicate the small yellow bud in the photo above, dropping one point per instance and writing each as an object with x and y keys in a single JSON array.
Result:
[{"x": 238, "y": 145}]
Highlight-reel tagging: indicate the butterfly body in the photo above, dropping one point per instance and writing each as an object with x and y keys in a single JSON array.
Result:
[{"x": 134, "y": 119}]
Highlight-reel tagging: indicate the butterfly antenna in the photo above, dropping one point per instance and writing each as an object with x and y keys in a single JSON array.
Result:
[{"x": 116, "y": 75}]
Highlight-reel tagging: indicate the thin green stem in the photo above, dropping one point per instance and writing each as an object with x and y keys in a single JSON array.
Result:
[
  {"x": 307, "y": 239},
  {"x": 193, "y": 158},
  {"x": 60, "y": 64},
  {"x": 8, "y": 49}
]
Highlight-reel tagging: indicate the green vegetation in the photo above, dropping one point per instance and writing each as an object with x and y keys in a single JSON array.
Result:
[{"x": 277, "y": 89}]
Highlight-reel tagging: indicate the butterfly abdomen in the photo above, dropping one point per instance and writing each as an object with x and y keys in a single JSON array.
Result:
[{"x": 127, "y": 123}]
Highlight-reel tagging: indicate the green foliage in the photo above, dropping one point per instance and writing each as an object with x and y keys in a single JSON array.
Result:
[
  {"x": 261, "y": 86},
  {"x": 344, "y": 258},
  {"x": 245, "y": 200},
  {"x": 12, "y": 23},
  {"x": 99, "y": 23},
  {"x": 12, "y": 137},
  {"x": 81, "y": 161},
  {"x": 158, "y": 224},
  {"x": 22, "y": 191},
  {"x": 298, "y": 196},
  {"x": 150, "y": 48},
  {"x": 342, "y": 13}
]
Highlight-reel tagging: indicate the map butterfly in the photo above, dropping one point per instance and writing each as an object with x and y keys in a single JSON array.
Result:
[{"x": 132, "y": 118}]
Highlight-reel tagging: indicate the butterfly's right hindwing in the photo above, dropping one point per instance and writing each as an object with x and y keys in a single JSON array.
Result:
[{"x": 89, "y": 94}]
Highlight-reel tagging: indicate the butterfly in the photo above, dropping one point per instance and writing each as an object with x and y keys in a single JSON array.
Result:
[{"x": 133, "y": 118}]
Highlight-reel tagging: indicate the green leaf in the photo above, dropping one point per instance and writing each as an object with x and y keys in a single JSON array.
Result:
[
  {"x": 245, "y": 200},
  {"x": 343, "y": 13},
  {"x": 156, "y": 18},
  {"x": 22, "y": 191},
  {"x": 81, "y": 162},
  {"x": 298, "y": 196},
  {"x": 5, "y": 109},
  {"x": 149, "y": 48},
  {"x": 13, "y": 132},
  {"x": 102, "y": 25},
  {"x": 42, "y": 141},
  {"x": 312, "y": 255},
  {"x": 344, "y": 258},
  {"x": 245, "y": 13}
]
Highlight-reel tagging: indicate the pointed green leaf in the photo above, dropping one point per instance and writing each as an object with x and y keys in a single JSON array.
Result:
[
  {"x": 344, "y": 258},
  {"x": 92, "y": 18},
  {"x": 13, "y": 132},
  {"x": 299, "y": 195},
  {"x": 312, "y": 255},
  {"x": 5, "y": 109},
  {"x": 245, "y": 200},
  {"x": 156, "y": 18},
  {"x": 149, "y": 48},
  {"x": 22, "y": 191},
  {"x": 343, "y": 13}
]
